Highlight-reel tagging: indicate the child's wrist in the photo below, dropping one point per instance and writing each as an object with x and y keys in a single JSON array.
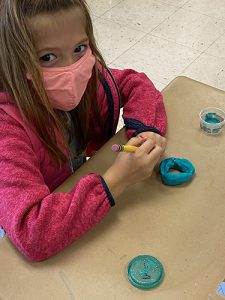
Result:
[{"x": 114, "y": 183}]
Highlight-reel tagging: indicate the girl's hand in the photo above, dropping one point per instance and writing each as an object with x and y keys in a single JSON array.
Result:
[
  {"x": 160, "y": 141},
  {"x": 130, "y": 168}
]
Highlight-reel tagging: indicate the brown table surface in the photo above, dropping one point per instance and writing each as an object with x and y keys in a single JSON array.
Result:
[{"x": 182, "y": 226}]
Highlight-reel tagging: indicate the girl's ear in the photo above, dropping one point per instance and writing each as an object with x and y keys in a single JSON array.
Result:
[{"x": 28, "y": 75}]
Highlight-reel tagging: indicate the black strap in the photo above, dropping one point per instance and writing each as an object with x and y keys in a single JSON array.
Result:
[{"x": 109, "y": 95}]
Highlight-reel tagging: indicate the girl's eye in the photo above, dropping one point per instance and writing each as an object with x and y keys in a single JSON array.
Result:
[
  {"x": 47, "y": 57},
  {"x": 80, "y": 49}
]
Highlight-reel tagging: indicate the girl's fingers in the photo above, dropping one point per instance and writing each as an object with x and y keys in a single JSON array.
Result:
[
  {"x": 163, "y": 145},
  {"x": 156, "y": 153},
  {"x": 136, "y": 141},
  {"x": 159, "y": 140},
  {"x": 147, "y": 146}
]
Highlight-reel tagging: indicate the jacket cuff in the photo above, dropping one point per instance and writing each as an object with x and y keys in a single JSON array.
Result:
[
  {"x": 152, "y": 129},
  {"x": 138, "y": 127},
  {"x": 108, "y": 193}
]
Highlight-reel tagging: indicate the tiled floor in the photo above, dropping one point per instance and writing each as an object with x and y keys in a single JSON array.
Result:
[{"x": 163, "y": 38}]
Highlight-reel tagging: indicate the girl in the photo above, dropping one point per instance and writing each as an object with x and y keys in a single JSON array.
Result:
[{"x": 59, "y": 103}]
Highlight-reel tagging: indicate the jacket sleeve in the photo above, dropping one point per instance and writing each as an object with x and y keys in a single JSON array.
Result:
[
  {"x": 38, "y": 222},
  {"x": 143, "y": 108}
]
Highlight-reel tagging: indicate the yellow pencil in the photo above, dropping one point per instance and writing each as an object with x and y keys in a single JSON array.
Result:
[{"x": 126, "y": 148}]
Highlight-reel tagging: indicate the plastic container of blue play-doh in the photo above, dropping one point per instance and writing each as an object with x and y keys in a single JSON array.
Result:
[{"x": 212, "y": 120}]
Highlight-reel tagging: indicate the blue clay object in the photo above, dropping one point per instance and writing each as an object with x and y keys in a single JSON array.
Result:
[
  {"x": 184, "y": 166},
  {"x": 213, "y": 118},
  {"x": 145, "y": 272}
]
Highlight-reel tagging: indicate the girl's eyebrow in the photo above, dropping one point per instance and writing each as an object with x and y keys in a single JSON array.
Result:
[
  {"x": 47, "y": 49},
  {"x": 85, "y": 40}
]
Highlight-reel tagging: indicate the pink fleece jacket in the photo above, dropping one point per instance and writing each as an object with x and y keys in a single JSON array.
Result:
[{"x": 39, "y": 221}]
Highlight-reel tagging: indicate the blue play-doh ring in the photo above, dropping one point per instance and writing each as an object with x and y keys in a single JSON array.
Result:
[{"x": 184, "y": 166}]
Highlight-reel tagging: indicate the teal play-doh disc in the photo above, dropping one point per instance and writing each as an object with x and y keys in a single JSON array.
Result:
[{"x": 145, "y": 272}]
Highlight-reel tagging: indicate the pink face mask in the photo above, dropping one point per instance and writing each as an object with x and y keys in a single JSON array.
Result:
[{"x": 65, "y": 86}]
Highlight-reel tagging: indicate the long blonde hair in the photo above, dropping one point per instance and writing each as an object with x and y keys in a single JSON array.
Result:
[{"x": 18, "y": 55}]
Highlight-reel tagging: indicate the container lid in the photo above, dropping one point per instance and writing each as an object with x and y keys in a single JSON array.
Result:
[{"x": 145, "y": 272}]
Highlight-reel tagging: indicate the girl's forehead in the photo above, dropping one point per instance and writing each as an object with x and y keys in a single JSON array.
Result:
[{"x": 51, "y": 30}]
